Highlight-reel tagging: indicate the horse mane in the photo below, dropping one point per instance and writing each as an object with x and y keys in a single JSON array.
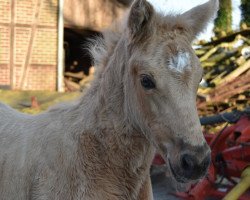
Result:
[{"x": 102, "y": 47}]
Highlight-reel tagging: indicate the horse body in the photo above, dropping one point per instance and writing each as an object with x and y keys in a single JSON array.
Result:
[
  {"x": 30, "y": 148},
  {"x": 101, "y": 146},
  {"x": 40, "y": 161}
]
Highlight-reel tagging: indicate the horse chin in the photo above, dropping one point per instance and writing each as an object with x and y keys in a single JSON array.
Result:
[{"x": 176, "y": 176}]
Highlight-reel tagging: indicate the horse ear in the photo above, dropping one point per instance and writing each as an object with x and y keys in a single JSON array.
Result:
[
  {"x": 140, "y": 18},
  {"x": 198, "y": 18}
]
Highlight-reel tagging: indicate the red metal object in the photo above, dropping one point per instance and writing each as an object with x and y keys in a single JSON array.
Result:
[
  {"x": 158, "y": 160},
  {"x": 230, "y": 156}
]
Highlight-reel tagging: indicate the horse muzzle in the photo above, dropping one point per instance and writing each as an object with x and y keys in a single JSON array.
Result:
[{"x": 189, "y": 163}]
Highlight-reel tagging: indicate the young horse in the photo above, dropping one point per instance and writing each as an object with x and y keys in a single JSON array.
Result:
[{"x": 101, "y": 146}]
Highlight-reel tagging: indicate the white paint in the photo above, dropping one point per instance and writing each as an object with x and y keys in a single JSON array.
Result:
[
  {"x": 180, "y": 61},
  {"x": 60, "y": 53}
]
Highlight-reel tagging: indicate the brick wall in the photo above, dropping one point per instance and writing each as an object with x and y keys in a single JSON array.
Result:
[{"x": 28, "y": 44}]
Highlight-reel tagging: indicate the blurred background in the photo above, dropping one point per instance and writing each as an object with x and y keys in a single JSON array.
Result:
[{"x": 43, "y": 50}]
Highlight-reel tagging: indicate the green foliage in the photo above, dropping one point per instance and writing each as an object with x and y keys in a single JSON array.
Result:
[
  {"x": 245, "y": 12},
  {"x": 224, "y": 20}
]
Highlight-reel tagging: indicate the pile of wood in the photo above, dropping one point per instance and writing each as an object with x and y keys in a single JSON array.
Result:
[
  {"x": 78, "y": 81},
  {"x": 226, "y": 64}
]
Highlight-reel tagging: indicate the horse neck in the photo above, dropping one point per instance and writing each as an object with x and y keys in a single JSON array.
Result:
[
  {"x": 106, "y": 96},
  {"x": 104, "y": 102},
  {"x": 103, "y": 126},
  {"x": 109, "y": 131}
]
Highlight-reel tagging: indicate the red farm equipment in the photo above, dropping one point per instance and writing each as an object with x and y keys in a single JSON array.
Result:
[{"x": 228, "y": 177}]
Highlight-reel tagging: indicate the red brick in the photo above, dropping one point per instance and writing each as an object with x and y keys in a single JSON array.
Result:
[{"x": 43, "y": 58}]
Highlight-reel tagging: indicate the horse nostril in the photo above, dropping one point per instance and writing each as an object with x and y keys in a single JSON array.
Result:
[
  {"x": 188, "y": 163},
  {"x": 206, "y": 162},
  {"x": 191, "y": 167}
]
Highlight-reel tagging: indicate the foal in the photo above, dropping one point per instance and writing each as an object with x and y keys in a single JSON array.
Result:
[{"x": 101, "y": 146}]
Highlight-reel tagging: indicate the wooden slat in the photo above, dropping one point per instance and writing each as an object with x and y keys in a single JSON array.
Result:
[
  {"x": 30, "y": 45},
  {"x": 20, "y": 25},
  {"x": 12, "y": 40},
  {"x": 41, "y": 65}
]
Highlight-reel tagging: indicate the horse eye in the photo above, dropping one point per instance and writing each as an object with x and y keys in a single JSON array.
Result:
[{"x": 147, "y": 82}]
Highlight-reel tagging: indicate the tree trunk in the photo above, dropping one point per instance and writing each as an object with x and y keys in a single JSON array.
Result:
[
  {"x": 223, "y": 23},
  {"x": 245, "y": 12}
]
